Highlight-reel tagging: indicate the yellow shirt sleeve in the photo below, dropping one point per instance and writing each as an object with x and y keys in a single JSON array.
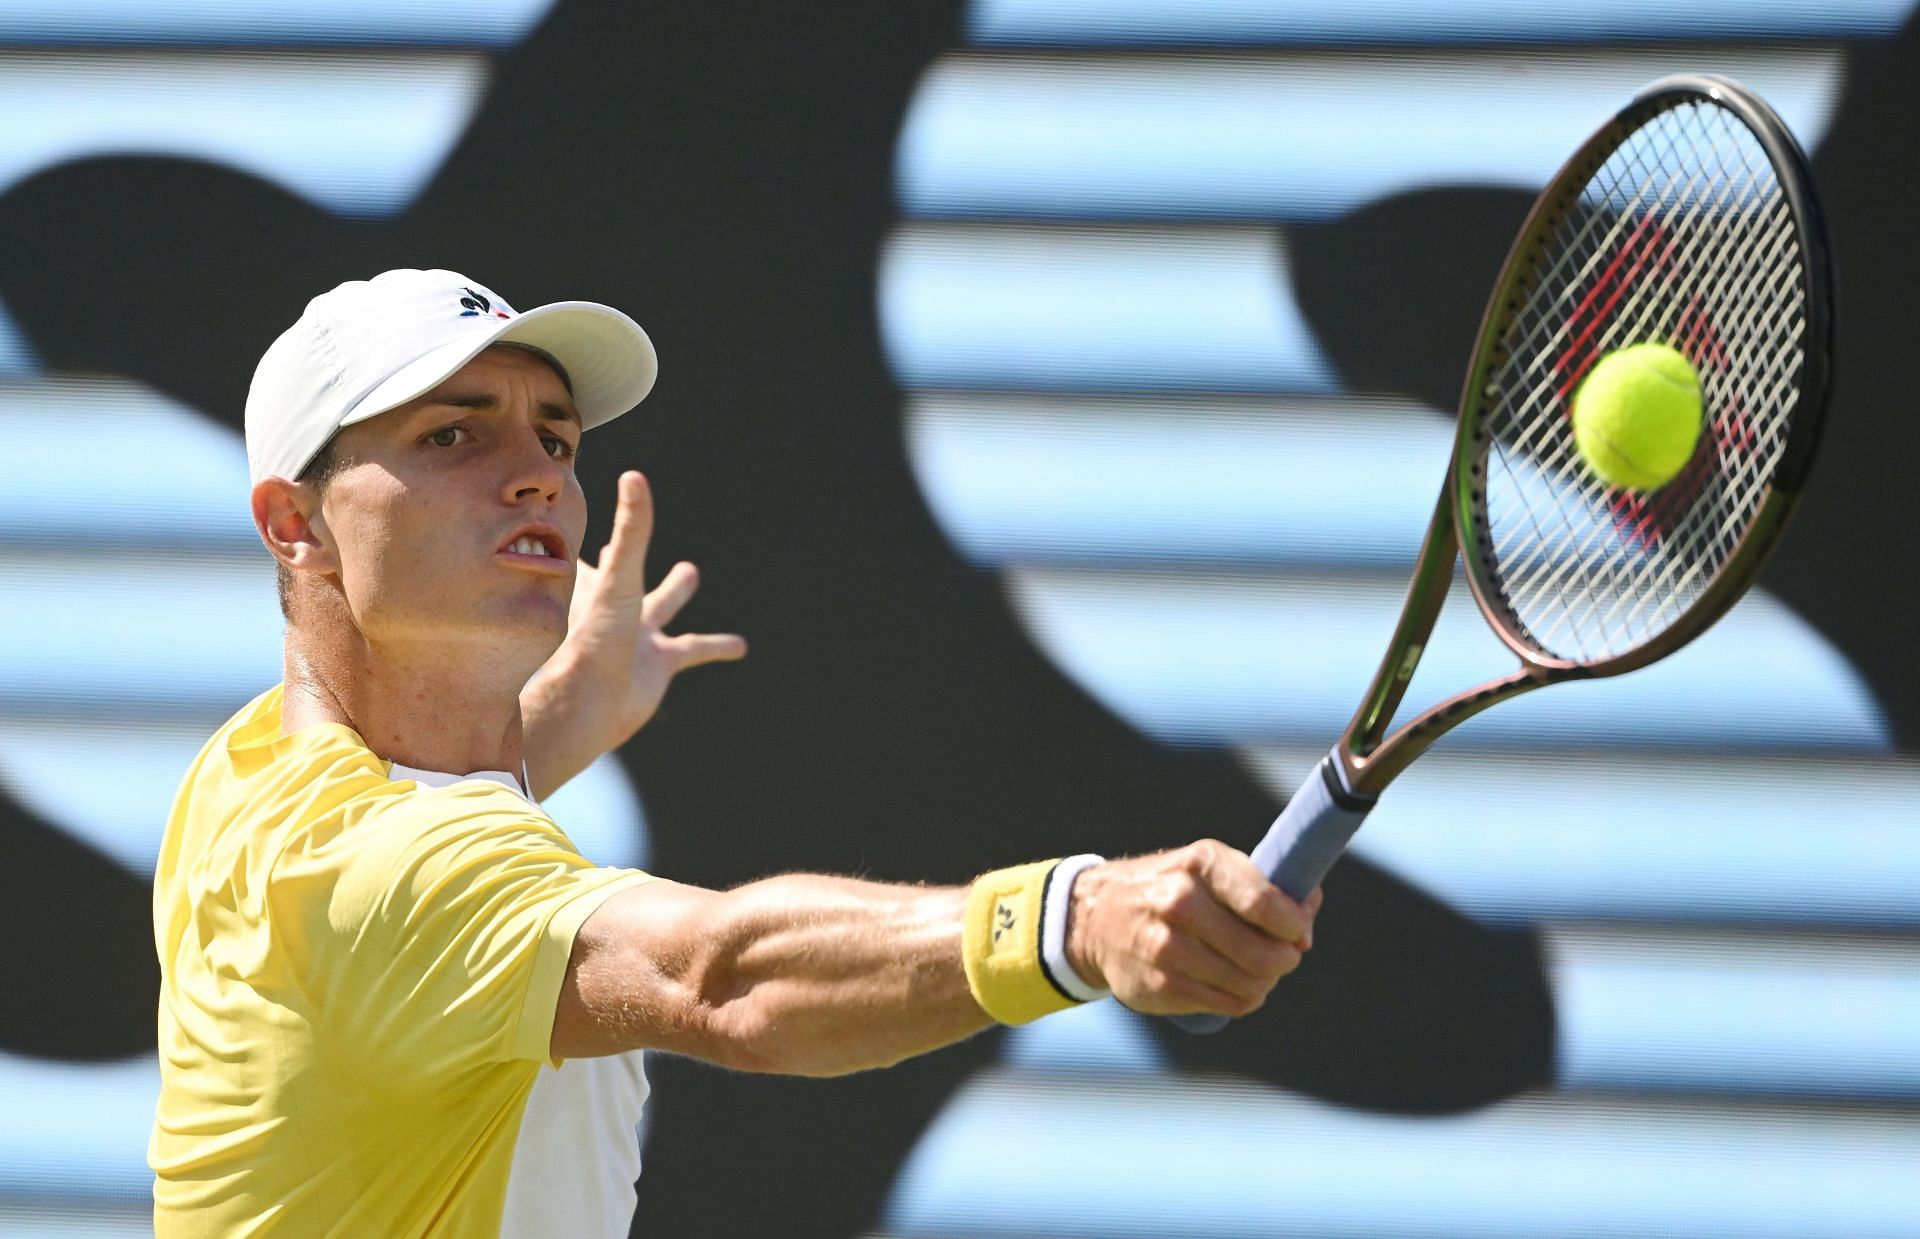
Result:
[{"x": 443, "y": 940}]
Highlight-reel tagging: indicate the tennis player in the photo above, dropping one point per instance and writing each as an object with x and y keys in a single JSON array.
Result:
[{"x": 395, "y": 999}]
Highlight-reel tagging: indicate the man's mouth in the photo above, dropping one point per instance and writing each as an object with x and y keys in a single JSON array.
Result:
[
  {"x": 539, "y": 540},
  {"x": 527, "y": 544}
]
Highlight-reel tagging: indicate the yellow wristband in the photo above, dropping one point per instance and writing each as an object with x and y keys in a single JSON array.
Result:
[{"x": 1001, "y": 945}]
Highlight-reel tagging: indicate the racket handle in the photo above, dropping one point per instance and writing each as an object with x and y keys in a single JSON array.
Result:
[{"x": 1301, "y": 845}]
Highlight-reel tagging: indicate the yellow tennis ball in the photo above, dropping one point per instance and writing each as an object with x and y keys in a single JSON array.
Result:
[{"x": 1636, "y": 417}]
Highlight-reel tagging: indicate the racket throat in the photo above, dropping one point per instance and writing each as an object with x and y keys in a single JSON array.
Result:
[{"x": 1426, "y": 594}]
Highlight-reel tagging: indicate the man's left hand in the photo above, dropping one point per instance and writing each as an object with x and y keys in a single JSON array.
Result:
[{"x": 610, "y": 674}]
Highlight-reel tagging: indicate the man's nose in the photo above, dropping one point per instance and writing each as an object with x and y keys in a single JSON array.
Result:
[{"x": 535, "y": 471}]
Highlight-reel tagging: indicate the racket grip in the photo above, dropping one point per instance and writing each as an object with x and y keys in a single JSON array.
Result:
[{"x": 1306, "y": 839}]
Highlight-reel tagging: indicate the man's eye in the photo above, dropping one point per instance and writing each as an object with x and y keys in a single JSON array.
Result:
[
  {"x": 565, "y": 451},
  {"x": 443, "y": 437}
]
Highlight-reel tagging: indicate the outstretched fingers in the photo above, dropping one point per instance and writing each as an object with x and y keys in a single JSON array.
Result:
[
  {"x": 694, "y": 648},
  {"x": 622, "y": 582},
  {"x": 624, "y": 563},
  {"x": 673, "y": 593}
]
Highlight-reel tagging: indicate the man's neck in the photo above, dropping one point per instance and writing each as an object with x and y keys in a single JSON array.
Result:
[{"x": 429, "y": 712}]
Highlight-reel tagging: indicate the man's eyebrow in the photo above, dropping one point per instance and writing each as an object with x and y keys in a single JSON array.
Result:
[{"x": 549, "y": 411}]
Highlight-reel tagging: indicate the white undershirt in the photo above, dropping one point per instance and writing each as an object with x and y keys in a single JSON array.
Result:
[{"x": 577, "y": 1156}]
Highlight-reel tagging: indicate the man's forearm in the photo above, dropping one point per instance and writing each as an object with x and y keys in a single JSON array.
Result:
[
  {"x": 801, "y": 974},
  {"x": 842, "y": 975}
]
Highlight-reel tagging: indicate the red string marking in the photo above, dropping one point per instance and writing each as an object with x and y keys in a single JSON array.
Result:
[
  {"x": 1647, "y": 253},
  {"x": 1647, "y": 520},
  {"x": 1729, "y": 434}
]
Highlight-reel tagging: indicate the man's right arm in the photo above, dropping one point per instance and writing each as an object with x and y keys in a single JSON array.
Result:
[{"x": 813, "y": 975}]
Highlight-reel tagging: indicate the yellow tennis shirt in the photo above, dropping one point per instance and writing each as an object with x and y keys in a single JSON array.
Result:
[{"x": 358, "y": 983}]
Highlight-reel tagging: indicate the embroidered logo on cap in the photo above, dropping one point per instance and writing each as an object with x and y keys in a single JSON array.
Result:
[{"x": 477, "y": 304}]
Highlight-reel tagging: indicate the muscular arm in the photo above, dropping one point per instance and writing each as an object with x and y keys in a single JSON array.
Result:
[
  {"x": 802, "y": 974},
  {"x": 814, "y": 975}
]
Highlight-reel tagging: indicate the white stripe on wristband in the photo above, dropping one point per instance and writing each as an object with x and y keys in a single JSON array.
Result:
[{"x": 1053, "y": 934}]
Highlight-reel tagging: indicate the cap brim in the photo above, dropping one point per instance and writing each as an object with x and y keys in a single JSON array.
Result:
[{"x": 609, "y": 361}]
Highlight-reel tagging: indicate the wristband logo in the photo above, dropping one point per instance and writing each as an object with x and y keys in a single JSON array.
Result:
[{"x": 1003, "y": 921}]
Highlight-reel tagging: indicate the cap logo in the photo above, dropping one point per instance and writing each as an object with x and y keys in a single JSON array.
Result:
[{"x": 477, "y": 304}]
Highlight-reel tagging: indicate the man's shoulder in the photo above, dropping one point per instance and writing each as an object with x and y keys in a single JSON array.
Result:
[
  {"x": 474, "y": 802},
  {"x": 400, "y": 826},
  {"x": 320, "y": 780},
  {"x": 319, "y": 809},
  {"x": 250, "y": 787}
]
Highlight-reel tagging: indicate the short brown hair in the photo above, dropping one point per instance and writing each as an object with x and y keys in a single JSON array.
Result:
[{"x": 318, "y": 472}]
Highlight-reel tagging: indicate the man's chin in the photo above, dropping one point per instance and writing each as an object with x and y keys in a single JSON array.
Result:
[{"x": 519, "y": 637}]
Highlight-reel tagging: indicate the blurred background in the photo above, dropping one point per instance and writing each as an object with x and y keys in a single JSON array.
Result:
[{"x": 1054, "y": 391}]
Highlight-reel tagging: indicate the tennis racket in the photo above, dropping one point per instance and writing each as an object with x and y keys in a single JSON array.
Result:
[{"x": 1688, "y": 219}]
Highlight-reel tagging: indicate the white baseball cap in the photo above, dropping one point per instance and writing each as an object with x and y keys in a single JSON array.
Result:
[{"x": 372, "y": 345}]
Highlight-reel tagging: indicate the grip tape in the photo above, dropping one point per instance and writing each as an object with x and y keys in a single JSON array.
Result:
[{"x": 1303, "y": 843}]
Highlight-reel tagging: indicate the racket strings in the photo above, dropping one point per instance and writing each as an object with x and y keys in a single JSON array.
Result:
[
  {"x": 1632, "y": 592},
  {"x": 1622, "y": 574},
  {"x": 1546, "y": 566},
  {"x": 1705, "y": 534},
  {"x": 1683, "y": 236}
]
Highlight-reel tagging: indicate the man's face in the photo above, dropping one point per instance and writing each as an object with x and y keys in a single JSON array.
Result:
[{"x": 434, "y": 494}]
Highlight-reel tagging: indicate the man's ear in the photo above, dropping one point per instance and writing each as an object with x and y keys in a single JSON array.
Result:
[{"x": 288, "y": 518}]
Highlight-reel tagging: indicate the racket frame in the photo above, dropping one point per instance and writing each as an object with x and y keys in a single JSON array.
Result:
[{"x": 1368, "y": 758}]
